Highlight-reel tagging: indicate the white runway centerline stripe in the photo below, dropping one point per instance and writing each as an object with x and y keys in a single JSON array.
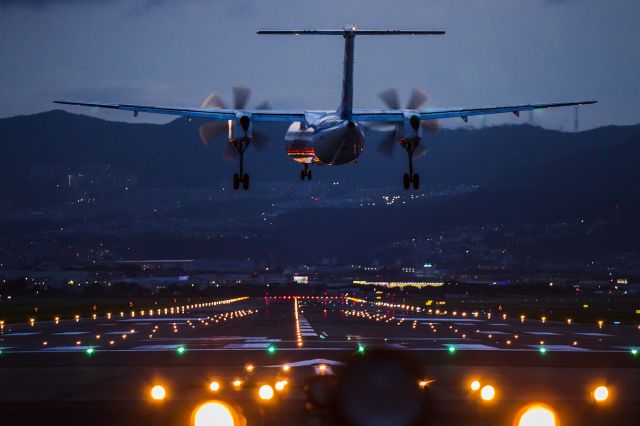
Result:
[
  {"x": 70, "y": 333},
  {"x": 561, "y": 348}
]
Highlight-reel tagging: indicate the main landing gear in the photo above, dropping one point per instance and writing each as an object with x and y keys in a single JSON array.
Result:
[
  {"x": 306, "y": 173},
  {"x": 241, "y": 146},
  {"x": 410, "y": 178}
]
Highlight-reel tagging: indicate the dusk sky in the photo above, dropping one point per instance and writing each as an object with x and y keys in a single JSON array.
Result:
[{"x": 496, "y": 52}]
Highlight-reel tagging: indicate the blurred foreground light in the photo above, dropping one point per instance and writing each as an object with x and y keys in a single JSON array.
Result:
[
  {"x": 214, "y": 413},
  {"x": 487, "y": 393},
  {"x": 158, "y": 392},
  {"x": 214, "y": 386},
  {"x": 601, "y": 393},
  {"x": 265, "y": 392},
  {"x": 475, "y": 385},
  {"x": 536, "y": 415}
]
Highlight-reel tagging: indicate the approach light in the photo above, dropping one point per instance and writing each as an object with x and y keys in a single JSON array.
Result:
[
  {"x": 536, "y": 415},
  {"x": 475, "y": 385},
  {"x": 214, "y": 413},
  {"x": 601, "y": 393},
  {"x": 265, "y": 392},
  {"x": 214, "y": 386},
  {"x": 487, "y": 393},
  {"x": 158, "y": 393}
]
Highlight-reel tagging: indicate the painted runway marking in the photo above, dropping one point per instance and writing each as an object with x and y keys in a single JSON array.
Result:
[
  {"x": 492, "y": 332},
  {"x": 595, "y": 334},
  {"x": 167, "y": 319},
  {"x": 21, "y": 334},
  {"x": 471, "y": 347},
  {"x": 543, "y": 333},
  {"x": 562, "y": 348},
  {"x": 155, "y": 348},
  {"x": 70, "y": 333},
  {"x": 77, "y": 348},
  {"x": 246, "y": 346}
]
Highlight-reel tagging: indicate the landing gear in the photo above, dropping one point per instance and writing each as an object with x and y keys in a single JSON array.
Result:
[
  {"x": 410, "y": 178},
  {"x": 306, "y": 173},
  {"x": 241, "y": 146}
]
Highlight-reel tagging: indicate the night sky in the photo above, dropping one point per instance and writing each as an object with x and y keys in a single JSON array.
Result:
[{"x": 496, "y": 52}]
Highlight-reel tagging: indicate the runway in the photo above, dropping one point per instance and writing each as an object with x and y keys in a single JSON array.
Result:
[{"x": 90, "y": 366}]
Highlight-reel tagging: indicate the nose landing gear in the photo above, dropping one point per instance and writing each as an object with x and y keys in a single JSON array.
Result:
[
  {"x": 241, "y": 146},
  {"x": 410, "y": 178},
  {"x": 306, "y": 173}
]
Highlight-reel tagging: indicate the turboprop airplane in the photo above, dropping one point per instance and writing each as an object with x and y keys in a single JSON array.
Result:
[{"x": 325, "y": 137}]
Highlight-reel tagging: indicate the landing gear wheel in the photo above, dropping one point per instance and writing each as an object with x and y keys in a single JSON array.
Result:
[
  {"x": 245, "y": 181},
  {"x": 309, "y": 175},
  {"x": 302, "y": 174},
  {"x": 406, "y": 181},
  {"x": 416, "y": 181},
  {"x": 236, "y": 181}
]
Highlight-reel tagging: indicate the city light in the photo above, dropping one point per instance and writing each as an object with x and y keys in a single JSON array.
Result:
[
  {"x": 158, "y": 393},
  {"x": 536, "y": 415},
  {"x": 265, "y": 392},
  {"x": 601, "y": 394},
  {"x": 487, "y": 393},
  {"x": 214, "y": 413}
]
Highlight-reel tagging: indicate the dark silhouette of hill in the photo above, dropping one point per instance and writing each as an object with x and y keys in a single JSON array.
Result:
[{"x": 172, "y": 155}]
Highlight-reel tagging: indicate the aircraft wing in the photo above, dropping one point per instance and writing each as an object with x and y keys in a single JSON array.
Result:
[
  {"x": 464, "y": 113},
  {"x": 209, "y": 113}
]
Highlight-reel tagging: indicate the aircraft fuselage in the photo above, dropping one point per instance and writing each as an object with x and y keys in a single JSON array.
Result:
[{"x": 329, "y": 140}]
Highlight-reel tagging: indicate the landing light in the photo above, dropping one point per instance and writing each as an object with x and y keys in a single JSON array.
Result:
[
  {"x": 536, "y": 415},
  {"x": 487, "y": 393},
  {"x": 214, "y": 413},
  {"x": 265, "y": 392},
  {"x": 601, "y": 393},
  {"x": 158, "y": 392}
]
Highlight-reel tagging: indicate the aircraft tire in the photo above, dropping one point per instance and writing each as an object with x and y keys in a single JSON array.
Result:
[
  {"x": 416, "y": 181},
  {"x": 309, "y": 175},
  {"x": 406, "y": 181},
  {"x": 245, "y": 181},
  {"x": 236, "y": 181}
]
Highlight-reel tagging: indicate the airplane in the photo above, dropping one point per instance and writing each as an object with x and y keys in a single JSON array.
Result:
[{"x": 326, "y": 137}]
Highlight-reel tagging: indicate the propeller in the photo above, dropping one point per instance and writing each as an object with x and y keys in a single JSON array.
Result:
[
  {"x": 392, "y": 101},
  {"x": 212, "y": 130}
]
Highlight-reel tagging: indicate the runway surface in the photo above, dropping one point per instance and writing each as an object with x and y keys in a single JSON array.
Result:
[{"x": 104, "y": 367}]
